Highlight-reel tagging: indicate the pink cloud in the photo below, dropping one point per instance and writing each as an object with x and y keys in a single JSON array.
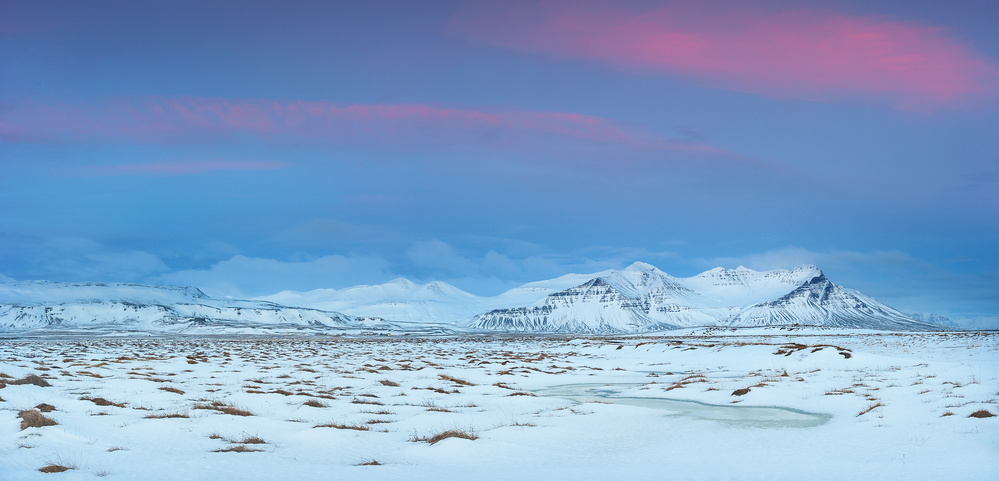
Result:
[
  {"x": 176, "y": 168},
  {"x": 799, "y": 53},
  {"x": 199, "y": 119}
]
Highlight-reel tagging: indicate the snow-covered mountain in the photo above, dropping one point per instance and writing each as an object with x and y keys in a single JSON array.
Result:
[
  {"x": 642, "y": 298},
  {"x": 57, "y": 306},
  {"x": 399, "y": 300}
]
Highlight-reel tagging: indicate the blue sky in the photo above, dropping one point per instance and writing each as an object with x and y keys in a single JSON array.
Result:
[{"x": 250, "y": 147}]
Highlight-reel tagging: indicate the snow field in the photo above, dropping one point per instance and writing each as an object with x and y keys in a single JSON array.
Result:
[{"x": 249, "y": 408}]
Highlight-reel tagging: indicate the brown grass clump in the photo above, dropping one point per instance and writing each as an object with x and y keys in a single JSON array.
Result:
[
  {"x": 741, "y": 392},
  {"x": 839, "y": 392},
  {"x": 102, "y": 402},
  {"x": 32, "y": 418},
  {"x": 167, "y": 416},
  {"x": 869, "y": 409},
  {"x": 54, "y": 468},
  {"x": 45, "y": 408},
  {"x": 171, "y": 389},
  {"x": 373, "y": 462},
  {"x": 981, "y": 413},
  {"x": 249, "y": 440},
  {"x": 242, "y": 448},
  {"x": 450, "y": 433},
  {"x": 460, "y": 382},
  {"x": 30, "y": 379},
  {"x": 386, "y": 382},
  {"x": 315, "y": 403},
  {"x": 223, "y": 408},
  {"x": 355, "y": 427}
]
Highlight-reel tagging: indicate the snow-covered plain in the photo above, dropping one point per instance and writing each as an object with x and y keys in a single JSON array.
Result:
[{"x": 897, "y": 407}]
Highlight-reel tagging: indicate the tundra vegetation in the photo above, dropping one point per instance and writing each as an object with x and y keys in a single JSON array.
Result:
[{"x": 910, "y": 403}]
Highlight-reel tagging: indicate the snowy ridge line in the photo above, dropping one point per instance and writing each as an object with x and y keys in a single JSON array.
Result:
[
  {"x": 641, "y": 298},
  {"x": 638, "y": 299},
  {"x": 26, "y": 306}
]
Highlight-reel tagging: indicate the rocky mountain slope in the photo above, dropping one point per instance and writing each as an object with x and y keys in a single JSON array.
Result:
[{"x": 641, "y": 298}]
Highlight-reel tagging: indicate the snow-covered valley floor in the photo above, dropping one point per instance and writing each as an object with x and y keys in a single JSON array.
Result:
[{"x": 898, "y": 406}]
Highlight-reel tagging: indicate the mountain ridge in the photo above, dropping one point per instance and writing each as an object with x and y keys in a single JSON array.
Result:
[{"x": 639, "y": 298}]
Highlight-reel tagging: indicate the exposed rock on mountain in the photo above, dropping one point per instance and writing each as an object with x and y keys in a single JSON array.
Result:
[{"x": 641, "y": 298}]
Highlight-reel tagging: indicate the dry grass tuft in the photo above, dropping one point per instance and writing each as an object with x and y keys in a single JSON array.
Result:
[
  {"x": 981, "y": 413},
  {"x": 45, "y": 408},
  {"x": 102, "y": 402},
  {"x": 432, "y": 406},
  {"x": 167, "y": 416},
  {"x": 315, "y": 403},
  {"x": 242, "y": 448},
  {"x": 54, "y": 468},
  {"x": 869, "y": 409},
  {"x": 469, "y": 434},
  {"x": 249, "y": 440},
  {"x": 460, "y": 382},
  {"x": 386, "y": 382},
  {"x": 223, "y": 408},
  {"x": 355, "y": 427},
  {"x": 741, "y": 392},
  {"x": 32, "y": 418},
  {"x": 171, "y": 389},
  {"x": 30, "y": 379},
  {"x": 373, "y": 462}
]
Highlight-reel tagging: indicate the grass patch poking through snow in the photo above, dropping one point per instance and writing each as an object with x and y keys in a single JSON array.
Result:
[
  {"x": 223, "y": 408},
  {"x": 32, "y": 418},
  {"x": 355, "y": 427},
  {"x": 435, "y": 438}
]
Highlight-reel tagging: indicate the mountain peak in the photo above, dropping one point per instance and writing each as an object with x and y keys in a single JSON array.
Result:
[
  {"x": 641, "y": 267},
  {"x": 402, "y": 282},
  {"x": 808, "y": 268}
]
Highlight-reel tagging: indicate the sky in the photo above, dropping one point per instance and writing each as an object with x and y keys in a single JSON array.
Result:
[{"x": 251, "y": 147}]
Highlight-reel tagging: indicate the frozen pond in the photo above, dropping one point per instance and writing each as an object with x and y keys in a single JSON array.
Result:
[{"x": 736, "y": 416}]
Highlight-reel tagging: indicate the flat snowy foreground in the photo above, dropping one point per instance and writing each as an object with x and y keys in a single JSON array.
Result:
[{"x": 858, "y": 406}]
